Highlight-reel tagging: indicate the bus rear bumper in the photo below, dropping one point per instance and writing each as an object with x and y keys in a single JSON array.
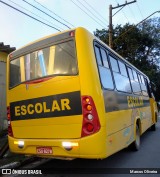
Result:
[{"x": 92, "y": 147}]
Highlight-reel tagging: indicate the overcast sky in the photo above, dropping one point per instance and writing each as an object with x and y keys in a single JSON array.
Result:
[{"x": 17, "y": 29}]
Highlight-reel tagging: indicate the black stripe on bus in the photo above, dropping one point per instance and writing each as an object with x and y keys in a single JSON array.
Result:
[
  {"x": 116, "y": 101},
  {"x": 65, "y": 104}
]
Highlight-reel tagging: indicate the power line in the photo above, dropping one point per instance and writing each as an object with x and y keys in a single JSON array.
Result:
[
  {"x": 118, "y": 11},
  {"x": 132, "y": 13},
  {"x": 125, "y": 15},
  {"x": 46, "y": 13},
  {"x": 87, "y": 13},
  {"x": 35, "y": 14},
  {"x": 53, "y": 12},
  {"x": 122, "y": 12},
  {"x": 139, "y": 10},
  {"x": 91, "y": 12},
  {"x": 110, "y": 18},
  {"x": 94, "y": 10},
  {"x": 28, "y": 15},
  {"x": 142, "y": 21}
]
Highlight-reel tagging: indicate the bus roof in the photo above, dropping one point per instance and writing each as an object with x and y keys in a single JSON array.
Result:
[
  {"x": 123, "y": 59},
  {"x": 60, "y": 36},
  {"x": 41, "y": 43}
]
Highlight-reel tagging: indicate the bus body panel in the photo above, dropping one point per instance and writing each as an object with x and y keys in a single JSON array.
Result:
[
  {"x": 117, "y": 111},
  {"x": 93, "y": 146},
  {"x": 88, "y": 72},
  {"x": 55, "y": 130},
  {"x": 154, "y": 110},
  {"x": 26, "y": 122}
]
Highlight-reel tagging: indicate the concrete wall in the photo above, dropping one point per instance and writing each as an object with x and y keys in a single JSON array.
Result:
[{"x": 3, "y": 111}]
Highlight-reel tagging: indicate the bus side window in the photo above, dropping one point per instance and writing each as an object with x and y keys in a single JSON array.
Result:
[
  {"x": 122, "y": 68},
  {"x": 104, "y": 71},
  {"x": 120, "y": 75},
  {"x": 148, "y": 88},
  {"x": 143, "y": 85},
  {"x": 15, "y": 72},
  {"x": 114, "y": 64},
  {"x": 130, "y": 74},
  {"x": 135, "y": 82},
  {"x": 98, "y": 56},
  {"x": 135, "y": 76},
  {"x": 104, "y": 58}
]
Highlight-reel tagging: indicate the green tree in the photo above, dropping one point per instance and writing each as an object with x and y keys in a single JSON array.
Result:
[{"x": 140, "y": 45}]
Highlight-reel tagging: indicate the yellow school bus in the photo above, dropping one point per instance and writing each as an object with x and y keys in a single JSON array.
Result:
[{"x": 69, "y": 95}]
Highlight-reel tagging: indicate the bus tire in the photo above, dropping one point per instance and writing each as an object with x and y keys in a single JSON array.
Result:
[
  {"x": 153, "y": 127},
  {"x": 136, "y": 144}
]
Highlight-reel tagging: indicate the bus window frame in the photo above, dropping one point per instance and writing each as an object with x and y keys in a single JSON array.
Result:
[
  {"x": 119, "y": 59},
  {"x": 96, "y": 46},
  {"x": 102, "y": 49},
  {"x": 41, "y": 48},
  {"x": 114, "y": 57},
  {"x": 127, "y": 65},
  {"x": 141, "y": 83},
  {"x": 95, "y": 42},
  {"x": 134, "y": 70},
  {"x": 149, "y": 91}
]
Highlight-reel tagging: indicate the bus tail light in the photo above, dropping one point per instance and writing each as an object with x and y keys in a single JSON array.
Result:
[
  {"x": 91, "y": 122},
  {"x": 10, "y": 132},
  {"x": 72, "y": 33},
  {"x": 10, "y": 56}
]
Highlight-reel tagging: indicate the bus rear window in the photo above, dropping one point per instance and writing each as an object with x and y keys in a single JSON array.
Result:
[
  {"x": 15, "y": 74},
  {"x": 59, "y": 59}
]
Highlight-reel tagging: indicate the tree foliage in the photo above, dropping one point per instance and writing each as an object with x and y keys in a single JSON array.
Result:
[{"x": 140, "y": 45}]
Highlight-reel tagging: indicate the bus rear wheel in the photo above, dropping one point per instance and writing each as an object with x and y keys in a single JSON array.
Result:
[
  {"x": 136, "y": 144},
  {"x": 153, "y": 127}
]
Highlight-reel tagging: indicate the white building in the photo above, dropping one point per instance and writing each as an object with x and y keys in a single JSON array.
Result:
[{"x": 4, "y": 51}]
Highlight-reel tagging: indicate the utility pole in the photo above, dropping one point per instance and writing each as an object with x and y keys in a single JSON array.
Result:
[
  {"x": 110, "y": 27},
  {"x": 110, "y": 19}
]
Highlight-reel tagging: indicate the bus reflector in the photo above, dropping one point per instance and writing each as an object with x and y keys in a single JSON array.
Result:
[
  {"x": 75, "y": 144},
  {"x": 90, "y": 116},
  {"x": 87, "y": 100},
  {"x": 10, "y": 56},
  {"x": 90, "y": 127},
  {"x": 71, "y": 33},
  {"x": 10, "y": 132},
  {"x": 89, "y": 107},
  {"x": 19, "y": 143},
  {"x": 91, "y": 122},
  {"x": 69, "y": 145}
]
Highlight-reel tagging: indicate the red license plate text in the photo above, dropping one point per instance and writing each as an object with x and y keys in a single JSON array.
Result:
[{"x": 44, "y": 150}]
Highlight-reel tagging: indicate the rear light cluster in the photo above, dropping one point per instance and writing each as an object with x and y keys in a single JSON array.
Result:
[
  {"x": 10, "y": 56},
  {"x": 72, "y": 33},
  {"x": 91, "y": 122},
  {"x": 10, "y": 132}
]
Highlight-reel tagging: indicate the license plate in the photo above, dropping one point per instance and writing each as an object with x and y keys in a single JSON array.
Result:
[{"x": 44, "y": 150}]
